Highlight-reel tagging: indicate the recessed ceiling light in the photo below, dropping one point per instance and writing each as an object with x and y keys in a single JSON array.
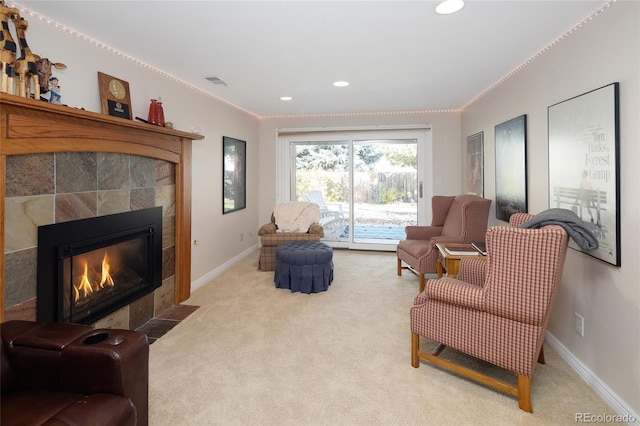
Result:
[
  {"x": 447, "y": 7},
  {"x": 341, "y": 83},
  {"x": 286, "y": 98}
]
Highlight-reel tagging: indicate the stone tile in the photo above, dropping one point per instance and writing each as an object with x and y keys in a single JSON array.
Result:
[
  {"x": 26, "y": 311},
  {"x": 142, "y": 172},
  {"x": 142, "y": 198},
  {"x": 168, "y": 231},
  {"x": 164, "y": 296},
  {"x": 165, "y": 173},
  {"x": 118, "y": 319},
  {"x": 113, "y": 201},
  {"x": 140, "y": 311},
  {"x": 166, "y": 197},
  {"x": 20, "y": 276},
  {"x": 23, "y": 215},
  {"x": 157, "y": 327},
  {"x": 178, "y": 312},
  {"x": 29, "y": 175},
  {"x": 113, "y": 171},
  {"x": 76, "y": 172},
  {"x": 168, "y": 262},
  {"x": 76, "y": 206}
]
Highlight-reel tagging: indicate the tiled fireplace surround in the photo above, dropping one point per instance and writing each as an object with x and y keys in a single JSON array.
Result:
[
  {"x": 59, "y": 164},
  {"x": 42, "y": 189}
]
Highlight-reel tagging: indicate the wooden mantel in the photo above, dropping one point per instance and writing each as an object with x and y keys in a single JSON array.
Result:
[{"x": 33, "y": 127}]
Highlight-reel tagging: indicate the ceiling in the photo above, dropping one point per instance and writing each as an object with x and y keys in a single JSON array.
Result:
[{"x": 397, "y": 55}]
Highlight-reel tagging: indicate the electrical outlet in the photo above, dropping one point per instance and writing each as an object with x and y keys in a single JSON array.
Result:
[
  {"x": 241, "y": 237},
  {"x": 579, "y": 324}
]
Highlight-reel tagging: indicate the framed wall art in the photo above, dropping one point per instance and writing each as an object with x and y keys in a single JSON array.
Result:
[
  {"x": 511, "y": 167},
  {"x": 475, "y": 164},
  {"x": 584, "y": 165},
  {"x": 234, "y": 174}
]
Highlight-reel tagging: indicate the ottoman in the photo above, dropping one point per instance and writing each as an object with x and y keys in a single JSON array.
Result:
[{"x": 304, "y": 266}]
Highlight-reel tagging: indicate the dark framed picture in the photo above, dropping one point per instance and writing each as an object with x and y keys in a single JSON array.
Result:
[
  {"x": 234, "y": 174},
  {"x": 475, "y": 164},
  {"x": 511, "y": 167},
  {"x": 584, "y": 160}
]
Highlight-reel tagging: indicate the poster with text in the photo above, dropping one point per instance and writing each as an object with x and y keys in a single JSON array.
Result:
[{"x": 583, "y": 165}]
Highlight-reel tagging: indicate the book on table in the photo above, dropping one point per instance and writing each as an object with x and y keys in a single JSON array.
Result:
[
  {"x": 480, "y": 246},
  {"x": 461, "y": 250}
]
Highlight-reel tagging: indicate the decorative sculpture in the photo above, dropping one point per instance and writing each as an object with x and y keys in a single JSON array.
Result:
[
  {"x": 26, "y": 65},
  {"x": 44, "y": 72},
  {"x": 54, "y": 87},
  {"x": 7, "y": 48}
]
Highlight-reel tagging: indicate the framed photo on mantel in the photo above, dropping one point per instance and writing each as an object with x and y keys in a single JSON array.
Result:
[{"x": 115, "y": 98}]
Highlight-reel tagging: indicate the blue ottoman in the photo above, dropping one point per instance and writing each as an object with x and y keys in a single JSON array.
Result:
[{"x": 304, "y": 266}]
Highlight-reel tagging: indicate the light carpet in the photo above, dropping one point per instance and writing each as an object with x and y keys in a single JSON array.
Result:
[{"x": 256, "y": 355}]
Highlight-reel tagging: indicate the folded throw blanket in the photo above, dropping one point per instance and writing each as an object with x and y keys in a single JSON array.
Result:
[
  {"x": 296, "y": 216},
  {"x": 580, "y": 231}
]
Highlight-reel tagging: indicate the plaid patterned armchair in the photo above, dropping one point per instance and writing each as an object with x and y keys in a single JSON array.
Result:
[
  {"x": 456, "y": 219},
  {"x": 270, "y": 240},
  {"x": 497, "y": 309}
]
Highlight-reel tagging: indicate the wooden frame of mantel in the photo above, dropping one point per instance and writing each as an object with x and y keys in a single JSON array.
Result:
[{"x": 31, "y": 127}]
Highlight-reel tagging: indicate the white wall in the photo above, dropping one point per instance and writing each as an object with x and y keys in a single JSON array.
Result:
[
  {"x": 603, "y": 51},
  {"x": 218, "y": 235},
  {"x": 445, "y": 128}
]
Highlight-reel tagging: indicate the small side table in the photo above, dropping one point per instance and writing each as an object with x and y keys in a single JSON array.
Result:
[{"x": 451, "y": 262}]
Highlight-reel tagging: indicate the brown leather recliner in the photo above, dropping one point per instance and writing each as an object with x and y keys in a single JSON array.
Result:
[{"x": 59, "y": 373}]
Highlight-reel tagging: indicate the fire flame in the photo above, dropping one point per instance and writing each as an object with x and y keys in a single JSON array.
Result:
[
  {"x": 84, "y": 288},
  {"x": 106, "y": 276}
]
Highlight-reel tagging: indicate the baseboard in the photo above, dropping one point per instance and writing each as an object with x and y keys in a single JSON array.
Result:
[
  {"x": 627, "y": 415},
  {"x": 220, "y": 269}
]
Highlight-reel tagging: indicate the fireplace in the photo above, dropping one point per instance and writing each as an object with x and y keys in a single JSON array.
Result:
[{"x": 89, "y": 268}]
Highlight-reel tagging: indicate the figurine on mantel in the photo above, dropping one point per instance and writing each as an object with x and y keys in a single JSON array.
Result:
[
  {"x": 45, "y": 67},
  {"x": 54, "y": 88}
]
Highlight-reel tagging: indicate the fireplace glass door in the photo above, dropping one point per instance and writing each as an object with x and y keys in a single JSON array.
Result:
[
  {"x": 91, "y": 267},
  {"x": 94, "y": 279}
]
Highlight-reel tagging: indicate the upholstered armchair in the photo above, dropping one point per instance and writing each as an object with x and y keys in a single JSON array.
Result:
[
  {"x": 271, "y": 237},
  {"x": 456, "y": 219},
  {"x": 496, "y": 309}
]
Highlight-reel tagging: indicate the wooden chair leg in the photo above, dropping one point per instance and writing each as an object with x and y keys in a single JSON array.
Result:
[
  {"x": 399, "y": 267},
  {"x": 524, "y": 393},
  {"x": 415, "y": 345},
  {"x": 541, "y": 356},
  {"x": 422, "y": 283}
]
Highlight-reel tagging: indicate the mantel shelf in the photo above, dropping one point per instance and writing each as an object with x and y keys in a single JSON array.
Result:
[
  {"x": 66, "y": 111},
  {"x": 28, "y": 126}
]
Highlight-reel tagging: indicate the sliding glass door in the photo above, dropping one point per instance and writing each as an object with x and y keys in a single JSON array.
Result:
[
  {"x": 369, "y": 185},
  {"x": 385, "y": 190}
]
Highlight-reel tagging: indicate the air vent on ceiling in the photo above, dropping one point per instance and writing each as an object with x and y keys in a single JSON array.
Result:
[{"x": 216, "y": 80}]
